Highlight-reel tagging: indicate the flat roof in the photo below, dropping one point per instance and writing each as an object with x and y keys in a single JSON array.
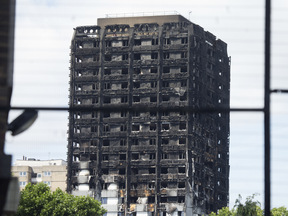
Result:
[{"x": 131, "y": 21}]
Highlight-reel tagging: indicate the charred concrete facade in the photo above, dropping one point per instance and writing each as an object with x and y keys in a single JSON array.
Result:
[{"x": 149, "y": 163}]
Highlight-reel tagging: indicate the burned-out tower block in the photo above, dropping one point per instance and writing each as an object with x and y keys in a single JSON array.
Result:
[{"x": 149, "y": 163}]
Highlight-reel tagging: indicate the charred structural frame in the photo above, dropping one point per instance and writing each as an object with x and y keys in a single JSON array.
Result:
[{"x": 149, "y": 163}]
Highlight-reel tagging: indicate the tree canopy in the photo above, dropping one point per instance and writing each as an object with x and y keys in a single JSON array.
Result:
[
  {"x": 38, "y": 200},
  {"x": 249, "y": 208}
]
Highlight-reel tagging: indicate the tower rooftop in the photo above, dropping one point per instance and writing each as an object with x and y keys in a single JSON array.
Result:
[{"x": 131, "y": 21}]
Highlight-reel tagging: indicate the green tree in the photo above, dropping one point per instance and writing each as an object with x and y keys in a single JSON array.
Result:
[
  {"x": 281, "y": 211},
  {"x": 38, "y": 200},
  {"x": 249, "y": 208}
]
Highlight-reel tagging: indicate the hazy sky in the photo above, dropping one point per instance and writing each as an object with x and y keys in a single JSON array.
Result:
[{"x": 43, "y": 34}]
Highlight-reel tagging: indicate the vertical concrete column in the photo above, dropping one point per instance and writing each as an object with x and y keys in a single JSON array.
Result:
[
  {"x": 100, "y": 116},
  {"x": 130, "y": 96},
  {"x": 158, "y": 137},
  {"x": 189, "y": 183}
]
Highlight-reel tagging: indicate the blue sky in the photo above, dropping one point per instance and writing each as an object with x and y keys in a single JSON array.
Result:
[{"x": 43, "y": 34}]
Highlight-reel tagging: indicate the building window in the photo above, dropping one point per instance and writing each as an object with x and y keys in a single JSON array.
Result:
[
  {"x": 167, "y": 41},
  {"x": 123, "y": 128},
  {"x": 166, "y": 55},
  {"x": 183, "y": 83},
  {"x": 106, "y": 114},
  {"x": 183, "y": 69},
  {"x": 165, "y": 97},
  {"x": 106, "y": 128},
  {"x": 47, "y": 173},
  {"x": 165, "y": 126},
  {"x": 22, "y": 173},
  {"x": 165, "y": 113},
  {"x": 106, "y": 100},
  {"x": 182, "y": 126},
  {"x": 123, "y": 113},
  {"x": 164, "y": 170},
  {"x": 134, "y": 171},
  {"x": 125, "y": 43},
  {"x": 152, "y": 127},
  {"x": 108, "y": 43},
  {"x": 164, "y": 184},
  {"x": 182, "y": 141},
  {"x": 136, "y": 98},
  {"x": 125, "y": 57},
  {"x": 135, "y": 127},
  {"x": 153, "y": 99},
  {"x": 77, "y": 129},
  {"x": 93, "y": 142},
  {"x": 105, "y": 157},
  {"x": 96, "y": 58},
  {"x": 183, "y": 54},
  {"x": 135, "y": 142},
  {"x": 152, "y": 156},
  {"x": 137, "y": 56},
  {"x": 108, "y": 57},
  {"x": 95, "y": 72},
  {"x": 182, "y": 155},
  {"x": 135, "y": 113},
  {"x": 154, "y": 84},
  {"x": 165, "y": 84},
  {"x": 107, "y": 71},
  {"x": 94, "y": 114},
  {"x": 122, "y": 156},
  {"x": 105, "y": 171},
  {"x": 104, "y": 200},
  {"x": 22, "y": 184},
  {"x": 95, "y": 86},
  {"x": 137, "y": 42},
  {"x": 135, "y": 156},
  {"x": 107, "y": 86},
  {"x": 47, "y": 182},
  {"x": 94, "y": 100},
  {"x": 124, "y": 85},
  {"x": 124, "y": 71},
  {"x": 124, "y": 99},
  {"x": 181, "y": 199},
  {"x": 122, "y": 171},
  {"x": 155, "y": 41},
  {"x": 77, "y": 101},
  {"x": 184, "y": 40},
  {"x": 122, "y": 142},
  {"x": 182, "y": 113},
  {"x": 164, "y": 156},
  {"x": 94, "y": 129},
  {"x": 153, "y": 70},
  {"x": 106, "y": 142},
  {"x": 39, "y": 175},
  {"x": 136, "y": 84},
  {"x": 151, "y": 170},
  {"x": 137, "y": 71},
  {"x": 152, "y": 142},
  {"x": 78, "y": 73},
  {"x": 78, "y": 87},
  {"x": 154, "y": 55},
  {"x": 181, "y": 185},
  {"x": 151, "y": 185},
  {"x": 181, "y": 169},
  {"x": 95, "y": 43},
  {"x": 183, "y": 97},
  {"x": 165, "y": 141}
]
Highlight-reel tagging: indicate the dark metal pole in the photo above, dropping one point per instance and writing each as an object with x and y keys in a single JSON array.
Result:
[{"x": 267, "y": 108}]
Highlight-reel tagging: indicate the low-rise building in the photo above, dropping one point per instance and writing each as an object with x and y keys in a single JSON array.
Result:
[{"x": 51, "y": 172}]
